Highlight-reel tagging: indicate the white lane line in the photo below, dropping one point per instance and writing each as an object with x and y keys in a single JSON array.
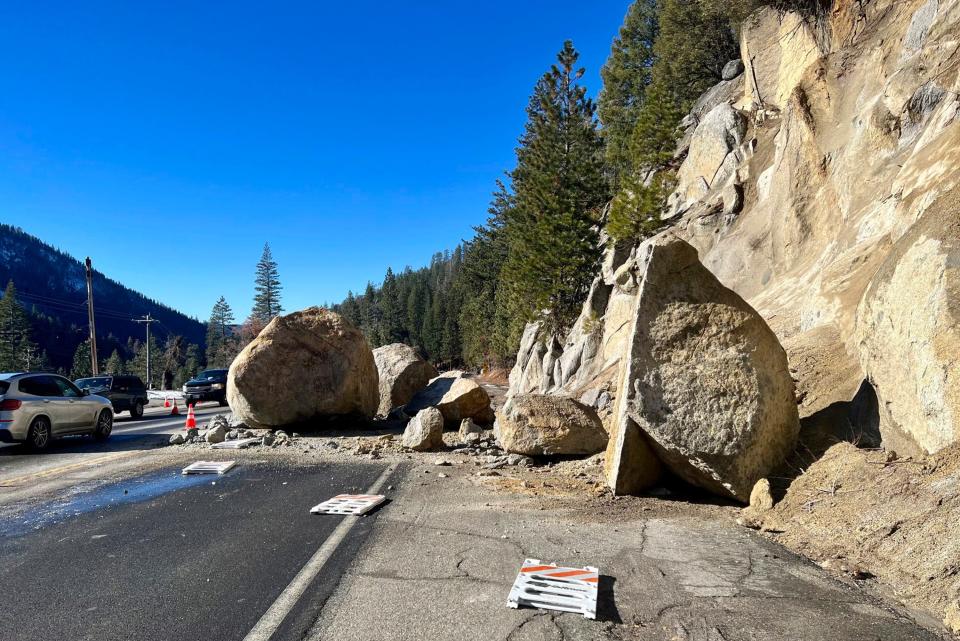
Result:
[{"x": 274, "y": 616}]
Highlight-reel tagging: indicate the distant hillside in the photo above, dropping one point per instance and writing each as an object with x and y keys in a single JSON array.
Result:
[{"x": 51, "y": 285}]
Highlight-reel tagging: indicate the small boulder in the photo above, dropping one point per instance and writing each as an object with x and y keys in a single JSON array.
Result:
[
  {"x": 216, "y": 434},
  {"x": 761, "y": 499},
  {"x": 537, "y": 425},
  {"x": 456, "y": 396},
  {"x": 402, "y": 374},
  {"x": 176, "y": 439},
  {"x": 304, "y": 365},
  {"x": 467, "y": 427},
  {"x": 424, "y": 431},
  {"x": 732, "y": 69},
  {"x": 268, "y": 439}
]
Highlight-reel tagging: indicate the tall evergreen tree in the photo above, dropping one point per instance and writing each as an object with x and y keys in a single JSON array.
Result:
[
  {"x": 695, "y": 40},
  {"x": 558, "y": 189},
  {"x": 626, "y": 75},
  {"x": 17, "y": 351},
  {"x": 266, "y": 301},
  {"x": 219, "y": 327},
  {"x": 114, "y": 364},
  {"x": 82, "y": 366}
]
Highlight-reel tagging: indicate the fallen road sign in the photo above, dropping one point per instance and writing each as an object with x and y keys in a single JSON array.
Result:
[
  {"x": 353, "y": 504},
  {"x": 553, "y": 587},
  {"x": 209, "y": 467},
  {"x": 237, "y": 444}
]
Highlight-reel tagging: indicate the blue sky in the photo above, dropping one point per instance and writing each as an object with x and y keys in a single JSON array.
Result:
[{"x": 170, "y": 141}]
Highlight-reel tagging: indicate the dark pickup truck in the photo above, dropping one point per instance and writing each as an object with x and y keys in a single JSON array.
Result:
[
  {"x": 208, "y": 385},
  {"x": 125, "y": 393}
]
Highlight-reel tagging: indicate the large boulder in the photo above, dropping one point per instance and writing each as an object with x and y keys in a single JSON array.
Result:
[
  {"x": 537, "y": 425},
  {"x": 402, "y": 374},
  {"x": 456, "y": 396},
  {"x": 705, "y": 382},
  {"x": 303, "y": 365},
  {"x": 424, "y": 431}
]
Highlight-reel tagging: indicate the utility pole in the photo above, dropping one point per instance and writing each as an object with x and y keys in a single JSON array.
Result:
[
  {"x": 146, "y": 320},
  {"x": 93, "y": 328}
]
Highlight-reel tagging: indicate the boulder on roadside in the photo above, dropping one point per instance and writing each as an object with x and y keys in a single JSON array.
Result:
[
  {"x": 176, "y": 439},
  {"x": 538, "y": 425},
  {"x": 402, "y": 374},
  {"x": 424, "y": 431},
  {"x": 705, "y": 382},
  {"x": 456, "y": 396},
  {"x": 761, "y": 499},
  {"x": 216, "y": 433},
  {"x": 304, "y": 365},
  {"x": 468, "y": 427}
]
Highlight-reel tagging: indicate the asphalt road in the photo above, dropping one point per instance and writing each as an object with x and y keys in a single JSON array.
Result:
[
  {"x": 165, "y": 556},
  {"x": 19, "y": 467}
]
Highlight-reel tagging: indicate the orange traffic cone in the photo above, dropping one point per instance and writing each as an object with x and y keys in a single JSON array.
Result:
[
  {"x": 166, "y": 401},
  {"x": 191, "y": 423},
  {"x": 176, "y": 410}
]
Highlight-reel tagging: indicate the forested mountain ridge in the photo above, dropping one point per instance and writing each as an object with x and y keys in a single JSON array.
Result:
[{"x": 51, "y": 287}]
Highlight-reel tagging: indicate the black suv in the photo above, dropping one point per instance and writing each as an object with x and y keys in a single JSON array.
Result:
[
  {"x": 208, "y": 385},
  {"x": 125, "y": 393}
]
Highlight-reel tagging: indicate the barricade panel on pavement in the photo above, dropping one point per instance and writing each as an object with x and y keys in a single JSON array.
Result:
[
  {"x": 351, "y": 504},
  {"x": 237, "y": 444},
  {"x": 552, "y": 587},
  {"x": 209, "y": 467}
]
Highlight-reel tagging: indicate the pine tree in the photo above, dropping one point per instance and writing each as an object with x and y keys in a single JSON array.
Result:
[
  {"x": 17, "y": 351},
  {"x": 266, "y": 302},
  {"x": 114, "y": 364},
  {"x": 190, "y": 366},
  {"x": 138, "y": 364},
  {"x": 558, "y": 189},
  {"x": 391, "y": 312},
  {"x": 695, "y": 41},
  {"x": 482, "y": 332},
  {"x": 82, "y": 366},
  {"x": 219, "y": 328},
  {"x": 626, "y": 75}
]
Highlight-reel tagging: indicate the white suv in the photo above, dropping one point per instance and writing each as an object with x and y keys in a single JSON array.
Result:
[{"x": 35, "y": 408}]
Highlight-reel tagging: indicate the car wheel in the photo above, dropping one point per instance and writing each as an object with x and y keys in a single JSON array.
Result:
[
  {"x": 104, "y": 426},
  {"x": 137, "y": 410},
  {"x": 40, "y": 434}
]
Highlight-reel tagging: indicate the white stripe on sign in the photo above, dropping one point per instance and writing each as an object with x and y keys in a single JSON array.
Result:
[{"x": 275, "y": 615}]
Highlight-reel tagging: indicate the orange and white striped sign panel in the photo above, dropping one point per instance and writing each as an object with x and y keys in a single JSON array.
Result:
[
  {"x": 552, "y": 587},
  {"x": 351, "y": 504}
]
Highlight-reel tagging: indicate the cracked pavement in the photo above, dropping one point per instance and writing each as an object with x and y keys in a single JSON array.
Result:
[{"x": 443, "y": 555}]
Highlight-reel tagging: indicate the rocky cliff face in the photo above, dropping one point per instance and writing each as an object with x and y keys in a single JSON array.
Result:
[{"x": 821, "y": 185}]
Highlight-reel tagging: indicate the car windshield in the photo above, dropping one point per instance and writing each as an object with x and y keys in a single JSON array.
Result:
[
  {"x": 97, "y": 382},
  {"x": 210, "y": 374}
]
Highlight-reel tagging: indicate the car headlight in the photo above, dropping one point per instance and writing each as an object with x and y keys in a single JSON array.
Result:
[
  {"x": 184, "y": 388},
  {"x": 217, "y": 386}
]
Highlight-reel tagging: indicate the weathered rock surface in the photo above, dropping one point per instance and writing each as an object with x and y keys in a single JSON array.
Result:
[
  {"x": 538, "y": 425},
  {"x": 424, "y": 431},
  {"x": 303, "y": 365},
  {"x": 402, "y": 373},
  {"x": 705, "y": 379},
  {"x": 456, "y": 396},
  {"x": 909, "y": 316}
]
